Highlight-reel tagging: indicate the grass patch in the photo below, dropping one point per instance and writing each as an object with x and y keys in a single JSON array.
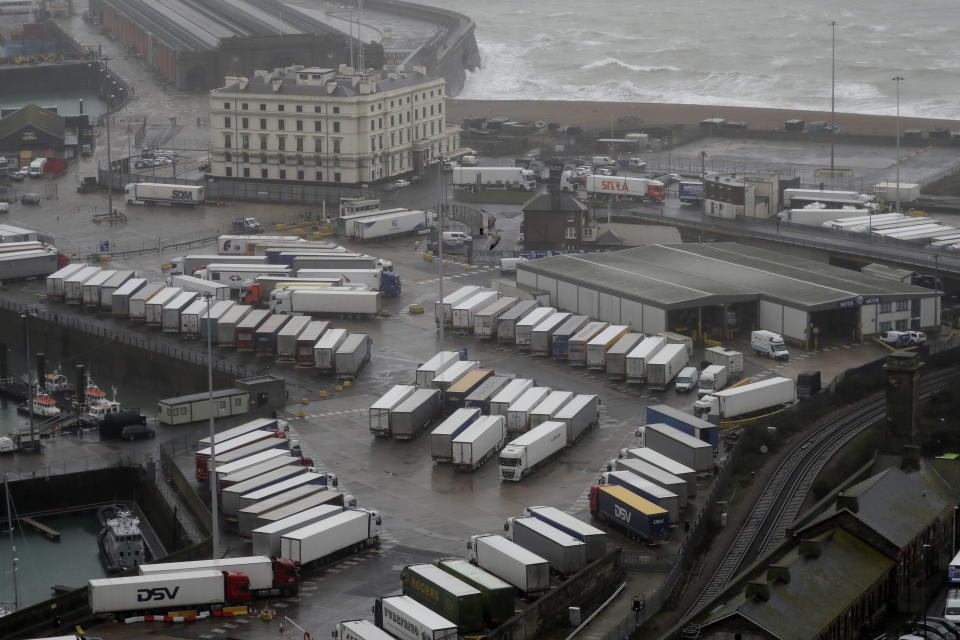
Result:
[
  {"x": 493, "y": 196},
  {"x": 946, "y": 186}
]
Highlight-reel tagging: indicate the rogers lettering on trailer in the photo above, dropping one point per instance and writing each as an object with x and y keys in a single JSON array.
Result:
[{"x": 425, "y": 589}]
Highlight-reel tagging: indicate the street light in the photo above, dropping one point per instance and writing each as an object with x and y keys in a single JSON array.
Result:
[
  {"x": 34, "y": 442},
  {"x": 833, "y": 92},
  {"x": 898, "y": 80},
  {"x": 213, "y": 445},
  {"x": 443, "y": 312}
]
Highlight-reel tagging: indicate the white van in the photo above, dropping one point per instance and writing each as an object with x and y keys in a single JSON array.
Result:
[
  {"x": 687, "y": 379},
  {"x": 36, "y": 167},
  {"x": 603, "y": 161},
  {"x": 456, "y": 237},
  {"x": 769, "y": 344}
]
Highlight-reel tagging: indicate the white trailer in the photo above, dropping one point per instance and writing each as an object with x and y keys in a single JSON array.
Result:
[
  {"x": 449, "y": 376},
  {"x": 475, "y": 444},
  {"x": 259, "y": 424},
  {"x": 580, "y": 414},
  {"x": 331, "y": 537},
  {"x": 168, "y": 591},
  {"x": 593, "y": 538},
  {"x": 406, "y": 619},
  {"x": 518, "y": 413},
  {"x": 120, "y": 300},
  {"x": 464, "y": 312},
  {"x": 326, "y": 301},
  {"x": 486, "y": 319},
  {"x": 541, "y": 336},
  {"x": 190, "y": 318},
  {"x": 562, "y": 551},
  {"x": 712, "y": 379},
  {"x": 73, "y": 284},
  {"x": 218, "y": 290},
  {"x": 379, "y": 412},
  {"x": 90, "y": 292},
  {"x": 210, "y": 320},
  {"x": 887, "y": 192},
  {"x": 516, "y": 178},
  {"x": 387, "y": 225},
  {"x": 521, "y": 456},
  {"x": 351, "y": 355},
  {"x": 245, "y": 245},
  {"x": 287, "y": 338},
  {"x": 357, "y": 278},
  {"x": 506, "y": 325},
  {"x": 156, "y": 305},
  {"x": 138, "y": 301},
  {"x": 264, "y": 573},
  {"x": 799, "y": 198},
  {"x": 223, "y": 471},
  {"x": 523, "y": 328},
  {"x": 230, "y": 503},
  {"x": 647, "y": 489},
  {"x": 616, "y": 356},
  {"x": 577, "y": 345},
  {"x": 678, "y": 338},
  {"x": 597, "y": 348},
  {"x": 655, "y": 474},
  {"x": 560, "y": 340},
  {"x": 510, "y": 562},
  {"x": 625, "y": 187},
  {"x": 186, "y": 265},
  {"x": 414, "y": 414},
  {"x": 637, "y": 359},
  {"x": 266, "y": 538},
  {"x": 732, "y": 360},
  {"x": 687, "y": 450},
  {"x": 247, "y": 516},
  {"x": 237, "y": 276},
  {"x": 753, "y": 398},
  {"x": 549, "y": 406},
  {"x": 329, "y": 497},
  {"x": 665, "y": 463},
  {"x": 55, "y": 281},
  {"x": 228, "y": 322},
  {"x": 663, "y": 367},
  {"x": 181, "y": 195},
  {"x": 325, "y": 351},
  {"x": 501, "y": 402},
  {"x": 314, "y": 478},
  {"x": 170, "y": 315},
  {"x": 444, "y": 308},
  {"x": 441, "y": 438},
  {"x": 435, "y": 366},
  {"x": 360, "y": 630},
  {"x": 113, "y": 284}
]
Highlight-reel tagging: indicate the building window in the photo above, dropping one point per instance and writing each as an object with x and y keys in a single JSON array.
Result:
[
  {"x": 244, "y": 141},
  {"x": 226, "y": 123},
  {"x": 886, "y": 307},
  {"x": 264, "y": 174},
  {"x": 300, "y": 162},
  {"x": 246, "y": 172},
  {"x": 263, "y": 142},
  {"x": 263, "y": 107},
  {"x": 318, "y": 161},
  {"x": 571, "y": 216},
  {"x": 903, "y": 305},
  {"x": 379, "y": 123},
  {"x": 373, "y": 124},
  {"x": 229, "y": 173},
  {"x": 431, "y": 109},
  {"x": 903, "y": 325},
  {"x": 282, "y": 124},
  {"x": 263, "y": 123},
  {"x": 299, "y": 125},
  {"x": 380, "y": 141},
  {"x": 282, "y": 143},
  {"x": 246, "y": 157},
  {"x": 317, "y": 109},
  {"x": 299, "y": 175},
  {"x": 226, "y": 105},
  {"x": 245, "y": 106},
  {"x": 885, "y": 326},
  {"x": 283, "y": 174},
  {"x": 336, "y": 125},
  {"x": 336, "y": 109},
  {"x": 299, "y": 144},
  {"x": 316, "y": 125},
  {"x": 336, "y": 161},
  {"x": 373, "y": 144},
  {"x": 399, "y": 118},
  {"x": 319, "y": 176},
  {"x": 281, "y": 159},
  {"x": 263, "y": 158},
  {"x": 440, "y": 108},
  {"x": 371, "y": 108},
  {"x": 336, "y": 145},
  {"x": 279, "y": 107},
  {"x": 227, "y": 141},
  {"x": 228, "y": 157},
  {"x": 392, "y": 142},
  {"x": 244, "y": 123},
  {"x": 571, "y": 233},
  {"x": 299, "y": 108},
  {"x": 336, "y": 177},
  {"x": 318, "y": 145}
]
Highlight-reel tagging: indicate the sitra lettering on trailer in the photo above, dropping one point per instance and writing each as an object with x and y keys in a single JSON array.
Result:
[
  {"x": 613, "y": 185},
  {"x": 622, "y": 513},
  {"x": 157, "y": 593}
]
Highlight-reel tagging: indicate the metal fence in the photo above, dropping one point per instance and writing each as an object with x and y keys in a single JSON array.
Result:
[
  {"x": 123, "y": 336},
  {"x": 80, "y": 465}
]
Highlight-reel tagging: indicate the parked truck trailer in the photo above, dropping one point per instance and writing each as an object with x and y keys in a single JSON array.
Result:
[{"x": 507, "y": 560}]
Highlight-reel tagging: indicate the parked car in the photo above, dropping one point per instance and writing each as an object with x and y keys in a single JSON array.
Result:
[
  {"x": 917, "y": 337},
  {"x": 402, "y": 184},
  {"x": 952, "y": 626},
  {"x": 896, "y": 338},
  {"x": 4, "y": 207},
  {"x": 456, "y": 237},
  {"x": 669, "y": 178},
  {"x": 19, "y": 175},
  {"x": 137, "y": 432},
  {"x": 143, "y": 163},
  {"x": 30, "y": 198}
]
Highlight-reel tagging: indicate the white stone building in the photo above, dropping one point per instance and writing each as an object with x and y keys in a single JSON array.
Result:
[{"x": 329, "y": 125}]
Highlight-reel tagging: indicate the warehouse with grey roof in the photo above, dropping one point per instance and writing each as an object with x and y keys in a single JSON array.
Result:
[{"x": 722, "y": 288}]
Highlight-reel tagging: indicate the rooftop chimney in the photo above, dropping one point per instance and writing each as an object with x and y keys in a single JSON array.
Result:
[{"x": 758, "y": 590}]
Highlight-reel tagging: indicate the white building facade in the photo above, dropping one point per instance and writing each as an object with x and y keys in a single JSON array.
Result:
[{"x": 335, "y": 126}]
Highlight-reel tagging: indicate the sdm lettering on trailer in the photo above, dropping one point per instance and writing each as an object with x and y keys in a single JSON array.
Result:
[{"x": 179, "y": 194}]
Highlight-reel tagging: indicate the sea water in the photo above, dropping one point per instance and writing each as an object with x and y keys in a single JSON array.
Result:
[{"x": 756, "y": 53}]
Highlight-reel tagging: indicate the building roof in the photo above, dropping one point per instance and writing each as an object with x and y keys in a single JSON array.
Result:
[
  {"x": 637, "y": 235},
  {"x": 677, "y": 276},
  {"x": 32, "y": 116},
  {"x": 553, "y": 202},
  {"x": 896, "y": 505},
  {"x": 347, "y": 82},
  {"x": 819, "y": 588}
]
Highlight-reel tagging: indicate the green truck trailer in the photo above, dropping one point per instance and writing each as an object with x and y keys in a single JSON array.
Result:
[
  {"x": 443, "y": 593},
  {"x": 497, "y": 595}
]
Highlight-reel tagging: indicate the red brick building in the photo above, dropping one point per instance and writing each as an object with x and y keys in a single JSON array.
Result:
[{"x": 554, "y": 221}]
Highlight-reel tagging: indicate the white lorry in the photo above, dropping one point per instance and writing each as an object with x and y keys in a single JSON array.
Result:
[
  {"x": 549, "y": 406},
  {"x": 326, "y": 301},
  {"x": 266, "y": 538},
  {"x": 166, "y": 592},
  {"x": 186, "y": 265},
  {"x": 169, "y": 194},
  {"x": 474, "y": 445},
  {"x": 404, "y": 618},
  {"x": 433, "y": 367},
  {"x": 485, "y": 320},
  {"x": 331, "y": 537},
  {"x": 685, "y": 449},
  {"x": 441, "y": 438},
  {"x": 515, "y": 178},
  {"x": 886, "y": 192},
  {"x": 464, "y": 311},
  {"x": 237, "y": 276},
  {"x": 663, "y": 367},
  {"x": 518, "y": 413},
  {"x": 756, "y": 397},
  {"x": 769, "y": 344},
  {"x": 625, "y": 187},
  {"x": 521, "y": 456},
  {"x": 580, "y": 414},
  {"x": 510, "y": 562},
  {"x": 444, "y": 308},
  {"x": 500, "y": 403},
  {"x": 712, "y": 379},
  {"x": 594, "y": 539},
  {"x": 268, "y": 576},
  {"x": 523, "y": 328},
  {"x": 218, "y": 290},
  {"x": 379, "y": 412},
  {"x": 387, "y": 225},
  {"x": 636, "y": 361},
  {"x": 360, "y": 630},
  {"x": 565, "y": 554}
]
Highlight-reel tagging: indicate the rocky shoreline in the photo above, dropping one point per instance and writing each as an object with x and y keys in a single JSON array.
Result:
[{"x": 597, "y": 115}]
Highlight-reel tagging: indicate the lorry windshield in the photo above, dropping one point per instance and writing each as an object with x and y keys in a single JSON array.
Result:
[
  {"x": 778, "y": 347},
  {"x": 509, "y": 462},
  {"x": 952, "y": 611}
]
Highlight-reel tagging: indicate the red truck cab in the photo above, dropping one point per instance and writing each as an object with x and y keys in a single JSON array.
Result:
[{"x": 236, "y": 587}]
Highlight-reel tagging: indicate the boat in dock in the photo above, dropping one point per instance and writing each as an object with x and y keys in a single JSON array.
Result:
[
  {"x": 120, "y": 541},
  {"x": 41, "y": 404}
]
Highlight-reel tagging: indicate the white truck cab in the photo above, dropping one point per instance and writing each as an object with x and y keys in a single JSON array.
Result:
[{"x": 769, "y": 344}]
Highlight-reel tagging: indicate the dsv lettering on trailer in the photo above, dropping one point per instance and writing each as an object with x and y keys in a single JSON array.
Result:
[
  {"x": 157, "y": 593},
  {"x": 621, "y": 513},
  {"x": 613, "y": 185},
  {"x": 179, "y": 194}
]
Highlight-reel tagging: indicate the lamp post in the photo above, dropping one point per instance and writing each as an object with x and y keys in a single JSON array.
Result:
[
  {"x": 443, "y": 312},
  {"x": 923, "y": 582},
  {"x": 898, "y": 80},
  {"x": 833, "y": 91},
  {"x": 30, "y": 382},
  {"x": 703, "y": 165},
  {"x": 214, "y": 507}
]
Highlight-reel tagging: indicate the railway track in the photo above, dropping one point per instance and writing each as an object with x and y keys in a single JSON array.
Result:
[{"x": 783, "y": 496}]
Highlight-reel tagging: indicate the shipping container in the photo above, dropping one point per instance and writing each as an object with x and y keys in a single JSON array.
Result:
[
  {"x": 307, "y": 340},
  {"x": 415, "y": 414},
  {"x": 507, "y": 560},
  {"x": 456, "y": 394},
  {"x": 637, "y": 359},
  {"x": 656, "y": 475},
  {"x": 478, "y": 442},
  {"x": 616, "y": 363},
  {"x": 449, "y": 376},
  {"x": 549, "y": 407},
  {"x": 594, "y": 539},
  {"x": 508, "y": 395},
  {"x": 660, "y": 496},
  {"x": 464, "y": 311},
  {"x": 444, "y": 308},
  {"x": 379, "y": 412},
  {"x": 496, "y": 594},
  {"x": 287, "y": 338},
  {"x": 406, "y": 619},
  {"x": 598, "y": 346},
  {"x": 325, "y": 350},
  {"x": 444, "y": 594},
  {"x": 685, "y": 422},
  {"x": 246, "y": 327},
  {"x": 351, "y": 355},
  {"x": 580, "y": 414},
  {"x": 120, "y": 300},
  {"x": 518, "y": 413},
  {"x": 485, "y": 320},
  {"x": 577, "y": 345},
  {"x": 481, "y": 396},
  {"x": 566, "y": 554},
  {"x": 434, "y": 366},
  {"x": 732, "y": 360},
  {"x": 639, "y": 517},
  {"x": 560, "y": 340},
  {"x": 541, "y": 336},
  {"x": 668, "y": 464},
  {"x": 523, "y": 328},
  {"x": 506, "y": 325},
  {"x": 685, "y": 449},
  {"x": 441, "y": 438},
  {"x": 266, "y": 538}
]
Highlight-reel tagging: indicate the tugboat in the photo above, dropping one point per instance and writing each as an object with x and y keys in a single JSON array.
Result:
[
  {"x": 120, "y": 541},
  {"x": 41, "y": 404},
  {"x": 98, "y": 407}
]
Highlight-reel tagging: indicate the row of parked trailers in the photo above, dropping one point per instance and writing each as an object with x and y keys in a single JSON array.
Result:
[
  {"x": 465, "y": 596},
  {"x": 482, "y": 410},
  {"x": 291, "y": 339},
  {"x": 545, "y": 331}
]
